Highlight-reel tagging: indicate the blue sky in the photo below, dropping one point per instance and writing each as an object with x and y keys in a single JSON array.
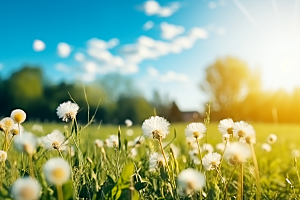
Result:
[{"x": 164, "y": 45}]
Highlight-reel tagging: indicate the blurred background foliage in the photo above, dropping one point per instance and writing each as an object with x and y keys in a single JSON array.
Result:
[{"x": 234, "y": 89}]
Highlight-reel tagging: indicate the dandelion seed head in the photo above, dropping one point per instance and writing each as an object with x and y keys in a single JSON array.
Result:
[
  {"x": 55, "y": 141},
  {"x": 211, "y": 161},
  {"x": 190, "y": 180},
  {"x": 156, "y": 127},
  {"x": 67, "y": 111},
  {"x": 6, "y": 124},
  {"x": 244, "y": 131},
  {"x": 195, "y": 130},
  {"x": 26, "y": 143},
  {"x": 266, "y": 147},
  {"x": 3, "y": 156},
  {"x": 26, "y": 189},
  {"x": 57, "y": 171},
  {"x": 99, "y": 143},
  {"x": 236, "y": 153},
  {"x": 225, "y": 127},
  {"x": 128, "y": 122},
  {"x": 156, "y": 160},
  {"x": 129, "y": 132},
  {"x": 296, "y": 153},
  {"x": 272, "y": 138},
  {"x": 207, "y": 148},
  {"x": 18, "y": 116}
]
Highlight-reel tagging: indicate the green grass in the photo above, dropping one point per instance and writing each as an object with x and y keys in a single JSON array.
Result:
[{"x": 97, "y": 177}]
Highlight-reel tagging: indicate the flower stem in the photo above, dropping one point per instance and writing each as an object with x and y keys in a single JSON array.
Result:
[
  {"x": 60, "y": 154},
  {"x": 223, "y": 154},
  {"x": 10, "y": 142},
  {"x": 240, "y": 189},
  {"x": 31, "y": 170},
  {"x": 199, "y": 149},
  {"x": 60, "y": 195},
  {"x": 226, "y": 186},
  {"x": 258, "y": 192}
]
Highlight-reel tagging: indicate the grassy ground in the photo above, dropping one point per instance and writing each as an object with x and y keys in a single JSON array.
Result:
[{"x": 275, "y": 167}]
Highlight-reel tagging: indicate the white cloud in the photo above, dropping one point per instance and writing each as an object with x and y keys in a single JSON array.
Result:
[
  {"x": 152, "y": 71},
  {"x": 153, "y": 8},
  {"x": 147, "y": 48},
  {"x": 62, "y": 67},
  {"x": 148, "y": 25},
  {"x": 79, "y": 57},
  {"x": 168, "y": 76},
  {"x": 215, "y": 4},
  {"x": 169, "y": 31},
  {"x": 38, "y": 45},
  {"x": 63, "y": 49},
  {"x": 101, "y": 44}
]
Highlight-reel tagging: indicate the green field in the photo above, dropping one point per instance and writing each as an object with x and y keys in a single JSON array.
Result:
[{"x": 275, "y": 166}]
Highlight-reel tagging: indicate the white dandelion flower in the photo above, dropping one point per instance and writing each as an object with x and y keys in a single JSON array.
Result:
[
  {"x": 6, "y": 124},
  {"x": 133, "y": 153},
  {"x": 18, "y": 116},
  {"x": 113, "y": 141},
  {"x": 67, "y": 111},
  {"x": 26, "y": 143},
  {"x": 225, "y": 127},
  {"x": 296, "y": 153},
  {"x": 139, "y": 140},
  {"x": 237, "y": 152},
  {"x": 3, "y": 156},
  {"x": 195, "y": 130},
  {"x": 190, "y": 180},
  {"x": 156, "y": 127},
  {"x": 55, "y": 141},
  {"x": 272, "y": 138},
  {"x": 128, "y": 122},
  {"x": 207, "y": 148},
  {"x": 99, "y": 143},
  {"x": 15, "y": 130},
  {"x": 194, "y": 155},
  {"x": 266, "y": 147},
  {"x": 211, "y": 161},
  {"x": 244, "y": 131},
  {"x": 156, "y": 161},
  {"x": 57, "y": 171},
  {"x": 26, "y": 189},
  {"x": 221, "y": 146},
  {"x": 129, "y": 132},
  {"x": 192, "y": 143},
  {"x": 37, "y": 128}
]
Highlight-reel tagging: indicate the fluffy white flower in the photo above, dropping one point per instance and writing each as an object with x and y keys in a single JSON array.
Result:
[
  {"x": 128, "y": 122},
  {"x": 156, "y": 127},
  {"x": 225, "y": 127},
  {"x": 18, "y": 116},
  {"x": 3, "y": 156},
  {"x": 57, "y": 171},
  {"x": 67, "y": 111},
  {"x": 26, "y": 143},
  {"x": 194, "y": 155},
  {"x": 266, "y": 147},
  {"x": 37, "y": 128},
  {"x": 6, "y": 124},
  {"x": 156, "y": 160},
  {"x": 133, "y": 153},
  {"x": 272, "y": 138},
  {"x": 139, "y": 140},
  {"x": 211, "y": 161},
  {"x": 244, "y": 131},
  {"x": 236, "y": 153},
  {"x": 112, "y": 141},
  {"x": 190, "y": 180},
  {"x": 207, "y": 148},
  {"x": 192, "y": 143},
  {"x": 129, "y": 132},
  {"x": 14, "y": 130},
  {"x": 99, "y": 143},
  {"x": 221, "y": 146},
  {"x": 195, "y": 130},
  {"x": 26, "y": 189},
  {"x": 55, "y": 140},
  {"x": 296, "y": 153}
]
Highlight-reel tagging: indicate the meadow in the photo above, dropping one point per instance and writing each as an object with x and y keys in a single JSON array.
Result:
[{"x": 119, "y": 167}]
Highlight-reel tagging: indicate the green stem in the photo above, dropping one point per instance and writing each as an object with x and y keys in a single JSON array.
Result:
[
  {"x": 31, "y": 170},
  {"x": 60, "y": 195},
  {"x": 257, "y": 177},
  {"x": 240, "y": 184},
  {"x": 199, "y": 149},
  {"x": 60, "y": 154},
  {"x": 229, "y": 180}
]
